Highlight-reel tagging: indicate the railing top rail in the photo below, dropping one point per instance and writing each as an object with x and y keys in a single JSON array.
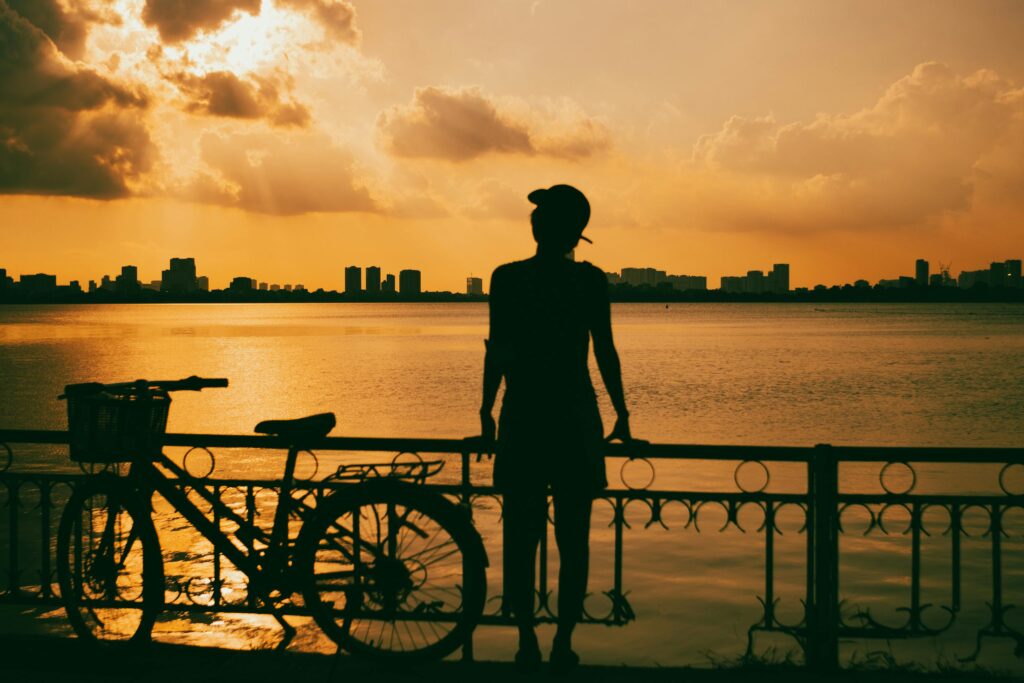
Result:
[{"x": 654, "y": 451}]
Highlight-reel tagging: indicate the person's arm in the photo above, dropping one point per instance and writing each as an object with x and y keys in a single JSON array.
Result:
[
  {"x": 493, "y": 365},
  {"x": 608, "y": 359}
]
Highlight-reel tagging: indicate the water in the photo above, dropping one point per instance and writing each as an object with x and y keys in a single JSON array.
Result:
[{"x": 781, "y": 374}]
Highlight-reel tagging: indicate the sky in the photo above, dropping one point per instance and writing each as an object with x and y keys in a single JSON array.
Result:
[{"x": 285, "y": 139}]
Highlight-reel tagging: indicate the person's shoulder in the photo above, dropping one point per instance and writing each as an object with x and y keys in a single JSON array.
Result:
[
  {"x": 592, "y": 273},
  {"x": 507, "y": 270}
]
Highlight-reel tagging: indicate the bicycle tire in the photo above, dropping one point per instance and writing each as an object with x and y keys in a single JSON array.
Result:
[
  {"x": 103, "y": 620},
  {"x": 365, "y": 599}
]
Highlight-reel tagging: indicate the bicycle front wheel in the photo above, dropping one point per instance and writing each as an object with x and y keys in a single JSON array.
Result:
[
  {"x": 109, "y": 564},
  {"x": 393, "y": 572}
]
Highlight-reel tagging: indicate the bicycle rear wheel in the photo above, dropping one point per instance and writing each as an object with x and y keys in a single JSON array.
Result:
[
  {"x": 109, "y": 563},
  {"x": 393, "y": 572}
]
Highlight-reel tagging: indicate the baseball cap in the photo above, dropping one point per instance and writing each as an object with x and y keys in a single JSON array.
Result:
[{"x": 565, "y": 204}]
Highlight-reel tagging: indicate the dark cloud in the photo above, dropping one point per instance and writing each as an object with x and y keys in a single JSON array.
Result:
[
  {"x": 336, "y": 16},
  {"x": 222, "y": 93},
  {"x": 269, "y": 174},
  {"x": 63, "y": 129},
  {"x": 66, "y": 28},
  {"x": 462, "y": 124},
  {"x": 179, "y": 20}
]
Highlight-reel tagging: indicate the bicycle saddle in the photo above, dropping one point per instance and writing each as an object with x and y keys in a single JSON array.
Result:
[{"x": 312, "y": 427}]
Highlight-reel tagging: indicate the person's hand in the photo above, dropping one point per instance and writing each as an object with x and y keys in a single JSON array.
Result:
[{"x": 621, "y": 430}]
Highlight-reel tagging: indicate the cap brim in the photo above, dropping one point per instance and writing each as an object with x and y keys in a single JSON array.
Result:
[
  {"x": 586, "y": 239},
  {"x": 536, "y": 196}
]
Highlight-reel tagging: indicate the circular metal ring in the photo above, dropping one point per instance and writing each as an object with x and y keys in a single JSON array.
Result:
[
  {"x": 650, "y": 478},
  {"x": 1002, "y": 479},
  {"x": 316, "y": 465},
  {"x": 418, "y": 458},
  {"x": 764, "y": 468},
  {"x": 213, "y": 462},
  {"x": 893, "y": 492},
  {"x": 5, "y": 460}
]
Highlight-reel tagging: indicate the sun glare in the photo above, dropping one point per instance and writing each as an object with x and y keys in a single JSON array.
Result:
[{"x": 250, "y": 43}]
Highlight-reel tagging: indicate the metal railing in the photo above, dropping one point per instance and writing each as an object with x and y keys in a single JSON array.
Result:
[{"x": 27, "y": 575}]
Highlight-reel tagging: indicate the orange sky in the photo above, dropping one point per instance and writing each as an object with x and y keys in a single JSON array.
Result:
[{"x": 285, "y": 139}]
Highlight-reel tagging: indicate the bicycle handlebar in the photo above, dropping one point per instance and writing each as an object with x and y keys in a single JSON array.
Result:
[{"x": 192, "y": 383}]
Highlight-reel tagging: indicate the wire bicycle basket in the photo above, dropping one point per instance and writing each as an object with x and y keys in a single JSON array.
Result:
[{"x": 110, "y": 427}]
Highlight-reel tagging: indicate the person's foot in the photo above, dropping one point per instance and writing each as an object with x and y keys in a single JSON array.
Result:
[
  {"x": 563, "y": 660},
  {"x": 528, "y": 658}
]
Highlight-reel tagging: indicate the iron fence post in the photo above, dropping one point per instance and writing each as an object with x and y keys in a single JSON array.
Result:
[
  {"x": 467, "y": 501},
  {"x": 823, "y": 556}
]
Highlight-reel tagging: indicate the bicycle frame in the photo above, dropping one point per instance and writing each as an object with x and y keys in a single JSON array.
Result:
[{"x": 267, "y": 571}]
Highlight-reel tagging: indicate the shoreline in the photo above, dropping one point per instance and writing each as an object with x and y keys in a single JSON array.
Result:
[{"x": 1008, "y": 296}]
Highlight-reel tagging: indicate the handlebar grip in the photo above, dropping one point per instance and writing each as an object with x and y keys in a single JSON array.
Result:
[{"x": 194, "y": 383}]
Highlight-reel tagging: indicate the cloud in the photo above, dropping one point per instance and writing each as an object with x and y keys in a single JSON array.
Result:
[
  {"x": 179, "y": 20},
  {"x": 463, "y": 124},
  {"x": 285, "y": 176},
  {"x": 920, "y": 151},
  {"x": 336, "y": 16},
  {"x": 222, "y": 93},
  {"x": 66, "y": 27},
  {"x": 64, "y": 129}
]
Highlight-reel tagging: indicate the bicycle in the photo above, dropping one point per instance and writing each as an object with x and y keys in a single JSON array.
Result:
[{"x": 385, "y": 567}]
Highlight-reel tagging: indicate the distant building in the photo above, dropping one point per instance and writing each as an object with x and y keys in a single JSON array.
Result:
[
  {"x": 287, "y": 288},
  {"x": 972, "y": 278},
  {"x": 1013, "y": 274},
  {"x": 862, "y": 284},
  {"x": 300, "y": 288},
  {"x": 154, "y": 285},
  {"x": 203, "y": 283},
  {"x": 372, "y": 279},
  {"x": 409, "y": 282},
  {"x": 889, "y": 284},
  {"x": 474, "y": 285},
  {"x": 921, "y": 273},
  {"x": 733, "y": 283},
  {"x": 687, "y": 282},
  {"x": 652, "y": 277},
  {"x": 275, "y": 288},
  {"x": 756, "y": 282},
  {"x": 128, "y": 280},
  {"x": 389, "y": 284},
  {"x": 92, "y": 286},
  {"x": 106, "y": 283},
  {"x": 76, "y": 286},
  {"x": 180, "y": 278},
  {"x": 242, "y": 284},
  {"x": 263, "y": 287},
  {"x": 353, "y": 280},
  {"x": 40, "y": 283},
  {"x": 639, "y": 277},
  {"x": 935, "y": 280},
  {"x": 4, "y": 282},
  {"x": 778, "y": 278},
  {"x": 997, "y": 274}
]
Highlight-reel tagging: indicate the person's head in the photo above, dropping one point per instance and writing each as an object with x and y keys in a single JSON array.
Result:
[{"x": 558, "y": 221}]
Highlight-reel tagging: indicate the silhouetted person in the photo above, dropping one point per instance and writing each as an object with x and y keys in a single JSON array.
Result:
[{"x": 543, "y": 313}]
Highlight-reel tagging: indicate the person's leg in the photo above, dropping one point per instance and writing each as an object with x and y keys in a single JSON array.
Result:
[
  {"x": 572, "y": 533},
  {"x": 525, "y": 515}
]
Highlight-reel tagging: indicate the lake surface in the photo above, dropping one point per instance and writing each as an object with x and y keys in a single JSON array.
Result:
[{"x": 751, "y": 374}]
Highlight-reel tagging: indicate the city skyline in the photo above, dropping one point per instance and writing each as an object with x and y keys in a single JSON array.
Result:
[{"x": 181, "y": 277}]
